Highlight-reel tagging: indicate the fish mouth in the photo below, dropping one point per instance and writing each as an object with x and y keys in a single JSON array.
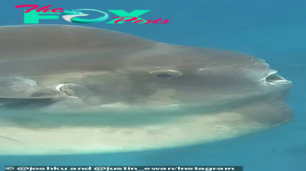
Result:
[{"x": 273, "y": 78}]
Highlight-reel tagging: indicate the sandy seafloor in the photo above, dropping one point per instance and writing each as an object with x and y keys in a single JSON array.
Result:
[{"x": 272, "y": 30}]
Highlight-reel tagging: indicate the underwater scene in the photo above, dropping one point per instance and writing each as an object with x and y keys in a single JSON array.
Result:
[{"x": 153, "y": 85}]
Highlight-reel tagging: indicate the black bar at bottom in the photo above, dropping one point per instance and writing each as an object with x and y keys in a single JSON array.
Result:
[{"x": 126, "y": 168}]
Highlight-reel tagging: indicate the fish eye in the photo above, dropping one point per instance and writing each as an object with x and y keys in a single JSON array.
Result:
[{"x": 166, "y": 74}]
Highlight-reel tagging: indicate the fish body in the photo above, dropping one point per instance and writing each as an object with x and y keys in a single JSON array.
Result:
[{"x": 71, "y": 90}]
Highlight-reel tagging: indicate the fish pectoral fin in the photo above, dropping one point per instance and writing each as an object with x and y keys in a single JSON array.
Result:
[
  {"x": 45, "y": 93},
  {"x": 73, "y": 90},
  {"x": 26, "y": 101},
  {"x": 36, "y": 97}
]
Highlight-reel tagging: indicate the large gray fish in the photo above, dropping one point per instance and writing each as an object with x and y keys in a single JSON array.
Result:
[{"x": 70, "y": 89}]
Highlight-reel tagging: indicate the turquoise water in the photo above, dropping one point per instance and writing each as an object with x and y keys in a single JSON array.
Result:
[{"x": 272, "y": 30}]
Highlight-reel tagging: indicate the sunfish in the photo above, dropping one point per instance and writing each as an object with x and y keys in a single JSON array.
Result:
[{"x": 74, "y": 90}]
